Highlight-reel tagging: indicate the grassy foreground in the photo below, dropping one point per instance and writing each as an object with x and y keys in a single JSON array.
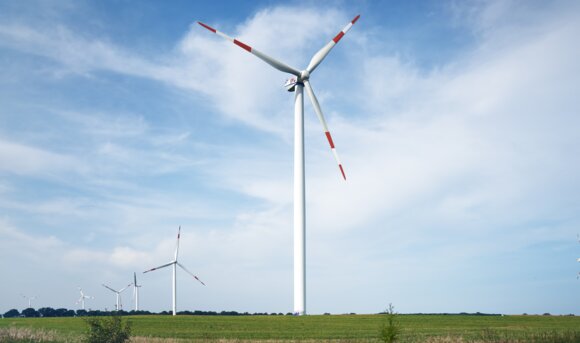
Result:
[{"x": 362, "y": 328}]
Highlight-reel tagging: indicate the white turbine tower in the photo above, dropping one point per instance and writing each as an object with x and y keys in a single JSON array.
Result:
[
  {"x": 29, "y": 299},
  {"x": 175, "y": 263},
  {"x": 297, "y": 83},
  {"x": 136, "y": 291},
  {"x": 118, "y": 304},
  {"x": 83, "y": 297}
]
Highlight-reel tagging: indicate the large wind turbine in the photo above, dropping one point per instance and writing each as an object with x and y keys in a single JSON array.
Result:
[
  {"x": 175, "y": 263},
  {"x": 136, "y": 291},
  {"x": 29, "y": 299},
  {"x": 119, "y": 304},
  {"x": 297, "y": 84},
  {"x": 83, "y": 297}
]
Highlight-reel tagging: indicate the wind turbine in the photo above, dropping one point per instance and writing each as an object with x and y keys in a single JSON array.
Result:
[
  {"x": 119, "y": 304},
  {"x": 29, "y": 299},
  {"x": 175, "y": 263},
  {"x": 136, "y": 291},
  {"x": 83, "y": 297},
  {"x": 296, "y": 84}
]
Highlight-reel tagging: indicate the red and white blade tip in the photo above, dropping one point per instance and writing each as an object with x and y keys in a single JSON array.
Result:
[
  {"x": 331, "y": 142},
  {"x": 207, "y": 27},
  {"x": 341, "y": 33},
  {"x": 235, "y": 41},
  {"x": 342, "y": 171}
]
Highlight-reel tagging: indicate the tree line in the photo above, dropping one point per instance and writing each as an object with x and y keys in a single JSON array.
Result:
[{"x": 63, "y": 312}]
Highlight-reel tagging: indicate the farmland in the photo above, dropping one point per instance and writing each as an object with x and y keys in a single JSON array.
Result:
[{"x": 311, "y": 328}]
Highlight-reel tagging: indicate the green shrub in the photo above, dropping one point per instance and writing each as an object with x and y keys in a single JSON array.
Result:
[
  {"x": 390, "y": 329},
  {"x": 107, "y": 330}
]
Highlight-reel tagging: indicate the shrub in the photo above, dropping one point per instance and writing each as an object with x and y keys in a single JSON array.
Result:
[
  {"x": 390, "y": 330},
  {"x": 107, "y": 330}
]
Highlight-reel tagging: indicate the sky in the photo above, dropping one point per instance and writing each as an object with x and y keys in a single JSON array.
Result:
[{"x": 457, "y": 123}]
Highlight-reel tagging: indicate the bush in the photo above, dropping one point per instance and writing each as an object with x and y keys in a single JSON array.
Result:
[
  {"x": 390, "y": 330},
  {"x": 107, "y": 330}
]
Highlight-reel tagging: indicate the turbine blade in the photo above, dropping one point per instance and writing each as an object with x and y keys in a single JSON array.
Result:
[
  {"x": 135, "y": 279},
  {"x": 124, "y": 288},
  {"x": 271, "y": 61},
  {"x": 177, "y": 248},
  {"x": 321, "y": 54},
  {"x": 324, "y": 126},
  {"x": 163, "y": 266},
  {"x": 190, "y": 273},
  {"x": 109, "y": 288}
]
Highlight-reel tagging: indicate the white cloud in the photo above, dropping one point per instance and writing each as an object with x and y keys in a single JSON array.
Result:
[{"x": 22, "y": 159}]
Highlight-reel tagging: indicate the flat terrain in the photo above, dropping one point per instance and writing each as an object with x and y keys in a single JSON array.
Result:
[{"x": 318, "y": 327}]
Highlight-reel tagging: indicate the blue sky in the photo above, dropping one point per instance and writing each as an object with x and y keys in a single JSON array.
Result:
[{"x": 456, "y": 121}]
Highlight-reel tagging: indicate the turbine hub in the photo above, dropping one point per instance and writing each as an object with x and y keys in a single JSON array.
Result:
[{"x": 304, "y": 75}]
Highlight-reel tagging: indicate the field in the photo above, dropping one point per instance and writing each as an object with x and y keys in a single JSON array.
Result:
[{"x": 351, "y": 328}]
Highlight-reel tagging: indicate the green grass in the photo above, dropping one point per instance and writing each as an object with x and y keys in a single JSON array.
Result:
[{"x": 415, "y": 328}]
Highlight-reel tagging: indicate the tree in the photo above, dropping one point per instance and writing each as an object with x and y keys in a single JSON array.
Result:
[
  {"x": 47, "y": 312},
  {"x": 390, "y": 329},
  {"x": 63, "y": 312},
  {"x": 13, "y": 313},
  {"x": 30, "y": 313}
]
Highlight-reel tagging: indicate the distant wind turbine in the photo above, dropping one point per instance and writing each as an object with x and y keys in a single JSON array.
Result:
[
  {"x": 119, "y": 304},
  {"x": 175, "y": 263},
  {"x": 29, "y": 299},
  {"x": 83, "y": 297},
  {"x": 136, "y": 291}
]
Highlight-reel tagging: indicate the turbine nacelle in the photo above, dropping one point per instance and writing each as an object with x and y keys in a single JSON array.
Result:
[{"x": 291, "y": 82}]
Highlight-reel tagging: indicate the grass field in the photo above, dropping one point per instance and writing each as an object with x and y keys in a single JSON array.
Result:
[{"x": 362, "y": 328}]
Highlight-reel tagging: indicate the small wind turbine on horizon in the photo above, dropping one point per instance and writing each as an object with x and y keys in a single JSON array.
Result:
[
  {"x": 296, "y": 84},
  {"x": 118, "y": 304},
  {"x": 29, "y": 299},
  {"x": 82, "y": 298},
  {"x": 136, "y": 291},
  {"x": 175, "y": 263}
]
